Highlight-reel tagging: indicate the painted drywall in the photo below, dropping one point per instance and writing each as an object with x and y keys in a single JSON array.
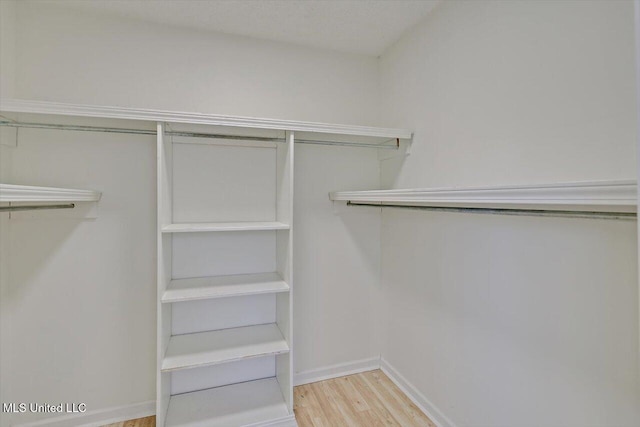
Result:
[
  {"x": 514, "y": 321},
  {"x": 636, "y": 5},
  {"x": 79, "y": 300},
  {"x": 92, "y": 280},
  {"x": 336, "y": 259},
  {"x": 514, "y": 92},
  {"x": 7, "y": 85},
  {"x": 7, "y": 47},
  {"x": 67, "y": 55},
  {"x": 496, "y": 320}
]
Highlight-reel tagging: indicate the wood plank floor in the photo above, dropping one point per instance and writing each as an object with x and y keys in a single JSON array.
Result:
[
  {"x": 368, "y": 399},
  {"x": 140, "y": 422}
]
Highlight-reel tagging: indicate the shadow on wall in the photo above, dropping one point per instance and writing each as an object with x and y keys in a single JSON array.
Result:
[{"x": 33, "y": 245}]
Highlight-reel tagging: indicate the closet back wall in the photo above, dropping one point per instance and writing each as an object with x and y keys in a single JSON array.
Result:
[
  {"x": 77, "y": 304},
  {"x": 66, "y": 55},
  {"x": 7, "y": 82},
  {"x": 70, "y": 56}
]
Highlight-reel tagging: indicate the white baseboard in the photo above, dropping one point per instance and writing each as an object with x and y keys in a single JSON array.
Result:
[
  {"x": 98, "y": 418},
  {"x": 416, "y": 397},
  {"x": 145, "y": 409},
  {"x": 335, "y": 371},
  {"x": 289, "y": 421},
  {"x": 130, "y": 412}
]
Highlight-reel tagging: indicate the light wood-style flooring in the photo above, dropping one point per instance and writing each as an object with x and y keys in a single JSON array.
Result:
[
  {"x": 368, "y": 399},
  {"x": 140, "y": 422}
]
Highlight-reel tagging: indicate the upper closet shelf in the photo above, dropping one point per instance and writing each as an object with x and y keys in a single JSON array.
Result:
[
  {"x": 107, "y": 112},
  {"x": 27, "y": 193},
  {"x": 198, "y": 227},
  {"x": 602, "y": 197}
]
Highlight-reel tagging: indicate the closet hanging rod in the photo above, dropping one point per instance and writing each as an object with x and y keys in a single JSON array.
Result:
[
  {"x": 515, "y": 212},
  {"x": 36, "y": 207},
  {"x": 84, "y": 128}
]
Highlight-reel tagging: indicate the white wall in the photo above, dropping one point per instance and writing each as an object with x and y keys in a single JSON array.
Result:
[
  {"x": 79, "y": 300},
  {"x": 336, "y": 259},
  {"x": 514, "y": 92},
  {"x": 78, "y": 57},
  {"x": 7, "y": 47},
  {"x": 7, "y": 85},
  {"x": 514, "y": 321},
  {"x": 496, "y": 320},
  {"x": 82, "y": 314}
]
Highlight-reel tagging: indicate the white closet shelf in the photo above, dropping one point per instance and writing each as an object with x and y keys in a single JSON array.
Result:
[
  {"x": 27, "y": 193},
  {"x": 197, "y": 227},
  {"x": 223, "y": 286},
  {"x": 111, "y": 112},
  {"x": 599, "y": 196},
  {"x": 248, "y": 403},
  {"x": 222, "y": 346}
]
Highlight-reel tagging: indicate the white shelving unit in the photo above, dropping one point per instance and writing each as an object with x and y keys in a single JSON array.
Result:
[
  {"x": 224, "y": 250},
  {"x": 211, "y": 339}
]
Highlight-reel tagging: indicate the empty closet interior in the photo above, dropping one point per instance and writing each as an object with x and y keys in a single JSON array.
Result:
[{"x": 197, "y": 216}]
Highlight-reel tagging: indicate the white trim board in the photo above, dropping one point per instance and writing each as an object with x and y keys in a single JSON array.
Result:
[
  {"x": 251, "y": 403},
  {"x": 146, "y": 409},
  {"x": 199, "y": 227},
  {"x": 28, "y": 193},
  {"x": 99, "y": 417},
  {"x": 415, "y": 396},
  {"x": 125, "y": 413},
  {"x": 110, "y": 112},
  {"x": 636, "y": 10},
  {"x": 223, "y": 346},
  {"x": 223, "y": 286},
  {"x": 288, "y": 421},
  {"x": 336, "y": 371},
  {"x": 597, "y": 196}
]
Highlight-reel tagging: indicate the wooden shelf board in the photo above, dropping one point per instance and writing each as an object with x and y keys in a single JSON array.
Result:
[
  {"x": 223, "y": 286},
  {"x": 242, "y": 404},
  {"x": 226, "y": 345},
  {"x": 198, "y": 227}
]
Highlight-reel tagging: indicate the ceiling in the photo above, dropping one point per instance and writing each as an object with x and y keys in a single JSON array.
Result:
[{"x": 357, "y": 26}]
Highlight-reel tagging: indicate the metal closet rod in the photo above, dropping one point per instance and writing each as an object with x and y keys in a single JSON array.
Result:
[
  {"x": 36, "y": 207},
  {"x": 515, "y": 212},
  {"x": 82, "y": 128}
]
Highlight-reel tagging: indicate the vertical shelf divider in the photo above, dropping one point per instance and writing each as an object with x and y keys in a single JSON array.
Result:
[
  {"x": 164, "y": 242},
  {"x": 284, "y": 302}
]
